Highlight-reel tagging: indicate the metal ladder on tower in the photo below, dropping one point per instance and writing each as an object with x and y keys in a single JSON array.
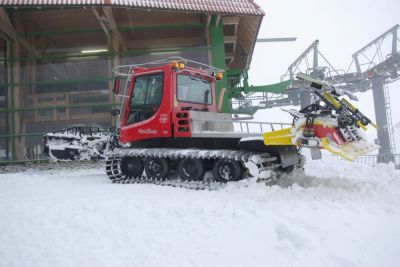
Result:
[{"x": 389, "y": 119}]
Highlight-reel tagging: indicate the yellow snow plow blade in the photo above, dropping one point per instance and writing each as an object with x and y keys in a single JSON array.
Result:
[
  {"x": 279, "y": 138},
  {"x": 349, "y": 151}
]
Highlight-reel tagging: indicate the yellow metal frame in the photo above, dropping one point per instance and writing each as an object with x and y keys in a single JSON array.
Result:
[{"x": 279, "y": 137}]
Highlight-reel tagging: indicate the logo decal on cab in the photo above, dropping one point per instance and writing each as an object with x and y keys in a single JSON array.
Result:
[
  {"x": 147, "y": 131},
  {"x": 164, "y": 118}
]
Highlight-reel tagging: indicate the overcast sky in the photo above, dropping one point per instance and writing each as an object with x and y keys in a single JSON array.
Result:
[{"x": 341, "y": 26}]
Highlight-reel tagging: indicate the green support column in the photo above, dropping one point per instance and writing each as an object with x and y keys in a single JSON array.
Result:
[{"x": 218, "y": 58}]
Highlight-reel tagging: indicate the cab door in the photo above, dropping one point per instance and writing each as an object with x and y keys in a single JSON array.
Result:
[{"x": 147, "y": 113}]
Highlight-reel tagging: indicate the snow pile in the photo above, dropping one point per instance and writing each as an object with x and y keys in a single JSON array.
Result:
[{"x": 338, "y": 214}]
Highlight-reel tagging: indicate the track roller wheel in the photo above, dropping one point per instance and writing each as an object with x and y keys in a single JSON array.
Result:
[
  {"x": 156, "y": 168},
  {"x": 287, "y": 170},
  {"x": 227, "y": 170},
  {"x": 191, "y": 169},
  {"x": 132, "y": 167}
]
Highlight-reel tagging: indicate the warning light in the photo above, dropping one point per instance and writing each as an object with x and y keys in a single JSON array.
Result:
[
  {"x": 218, "y": 76},
  {"x": 174, "y": 65}
]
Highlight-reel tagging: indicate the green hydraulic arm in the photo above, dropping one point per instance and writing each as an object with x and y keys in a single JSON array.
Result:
[
  {"x": 241, "y": 91},
  {"x": 276, "y": 88}
]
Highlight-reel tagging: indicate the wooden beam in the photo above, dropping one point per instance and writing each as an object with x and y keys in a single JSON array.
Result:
[
  {"x": 217, "y": 21},
  {"x": 183, "y": 20},
  {"x": 229, "y": 55},
  {"x": 230, "y": 20},
  {"x": 107, "y": 22},
  {"x": 8, "y": 29},
  {"x": 5, "y": 24},
  {"x": 2, "y": 35},
  {"x": 114, "y": 27},
  {"x": 166, "y": 43},
  {"x": 230, "y": 39},
  {"x": 208, "y": 21},
  {"x": 101, "y": 21}
]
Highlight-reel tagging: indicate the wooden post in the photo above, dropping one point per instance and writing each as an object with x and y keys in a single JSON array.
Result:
[
  {"x": 113, "y": 60},
  {"x": 19, "y": 146},
  {"x": 207, "y": 36}
]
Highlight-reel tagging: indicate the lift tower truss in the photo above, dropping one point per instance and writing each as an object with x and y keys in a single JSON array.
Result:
[
  {"x": 374, "y": 70},
  {"x": 381, "y": 70}
]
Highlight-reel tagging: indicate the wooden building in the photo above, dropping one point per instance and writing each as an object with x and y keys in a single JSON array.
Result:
[{"x": 56, "y": 56}]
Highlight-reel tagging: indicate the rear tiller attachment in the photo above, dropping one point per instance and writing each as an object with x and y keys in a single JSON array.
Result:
[{"x": 332, "y": 123}]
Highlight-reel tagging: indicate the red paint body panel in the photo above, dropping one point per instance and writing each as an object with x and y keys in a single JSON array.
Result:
[
  {"x": 322, "y": 131},
  {"x": 167, "y": 122}
]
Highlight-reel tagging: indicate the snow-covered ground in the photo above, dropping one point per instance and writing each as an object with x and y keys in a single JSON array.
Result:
[{"x": 339, "y": 214}]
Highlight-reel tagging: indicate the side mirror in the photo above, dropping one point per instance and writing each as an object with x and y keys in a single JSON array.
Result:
[
  {"x": 116, "y": 84},
  {"x": 115, "y": 112}
]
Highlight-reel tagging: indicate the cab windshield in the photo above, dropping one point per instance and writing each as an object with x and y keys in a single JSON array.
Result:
[{"x": 193, "y": 89}]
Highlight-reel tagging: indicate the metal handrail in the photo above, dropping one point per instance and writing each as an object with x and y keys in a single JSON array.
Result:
[
  {"x": 118, "y": 70},
  {"x": 261, "y": 125},
  {"x": 245, "y": 125}
]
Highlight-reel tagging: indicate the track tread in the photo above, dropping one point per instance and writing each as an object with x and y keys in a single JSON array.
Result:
[{"x": 113, "y": 169}]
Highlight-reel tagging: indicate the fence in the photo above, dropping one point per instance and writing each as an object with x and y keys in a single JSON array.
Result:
[{"x": 375, "y": 159}]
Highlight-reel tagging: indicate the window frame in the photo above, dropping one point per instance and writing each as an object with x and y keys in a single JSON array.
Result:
[
  {"x": 147, "y": 85},
  {"x": 141, "y": 106},
  {"x": 191, "y": 102}
]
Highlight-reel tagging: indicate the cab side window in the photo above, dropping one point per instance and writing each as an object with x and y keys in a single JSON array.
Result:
[
  {"x": 139, "y": 91},
  {"x": 146, "y": 97}
]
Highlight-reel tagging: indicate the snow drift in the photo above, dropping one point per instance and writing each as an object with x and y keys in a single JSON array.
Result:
[{"x": 338, "y": 214}]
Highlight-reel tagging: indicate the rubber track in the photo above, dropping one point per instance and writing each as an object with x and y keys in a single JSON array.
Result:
[
  {"x": 193, "y": 185},
  {"x": 114, "y": 172},
  {"x": 185, "y": 153}
]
